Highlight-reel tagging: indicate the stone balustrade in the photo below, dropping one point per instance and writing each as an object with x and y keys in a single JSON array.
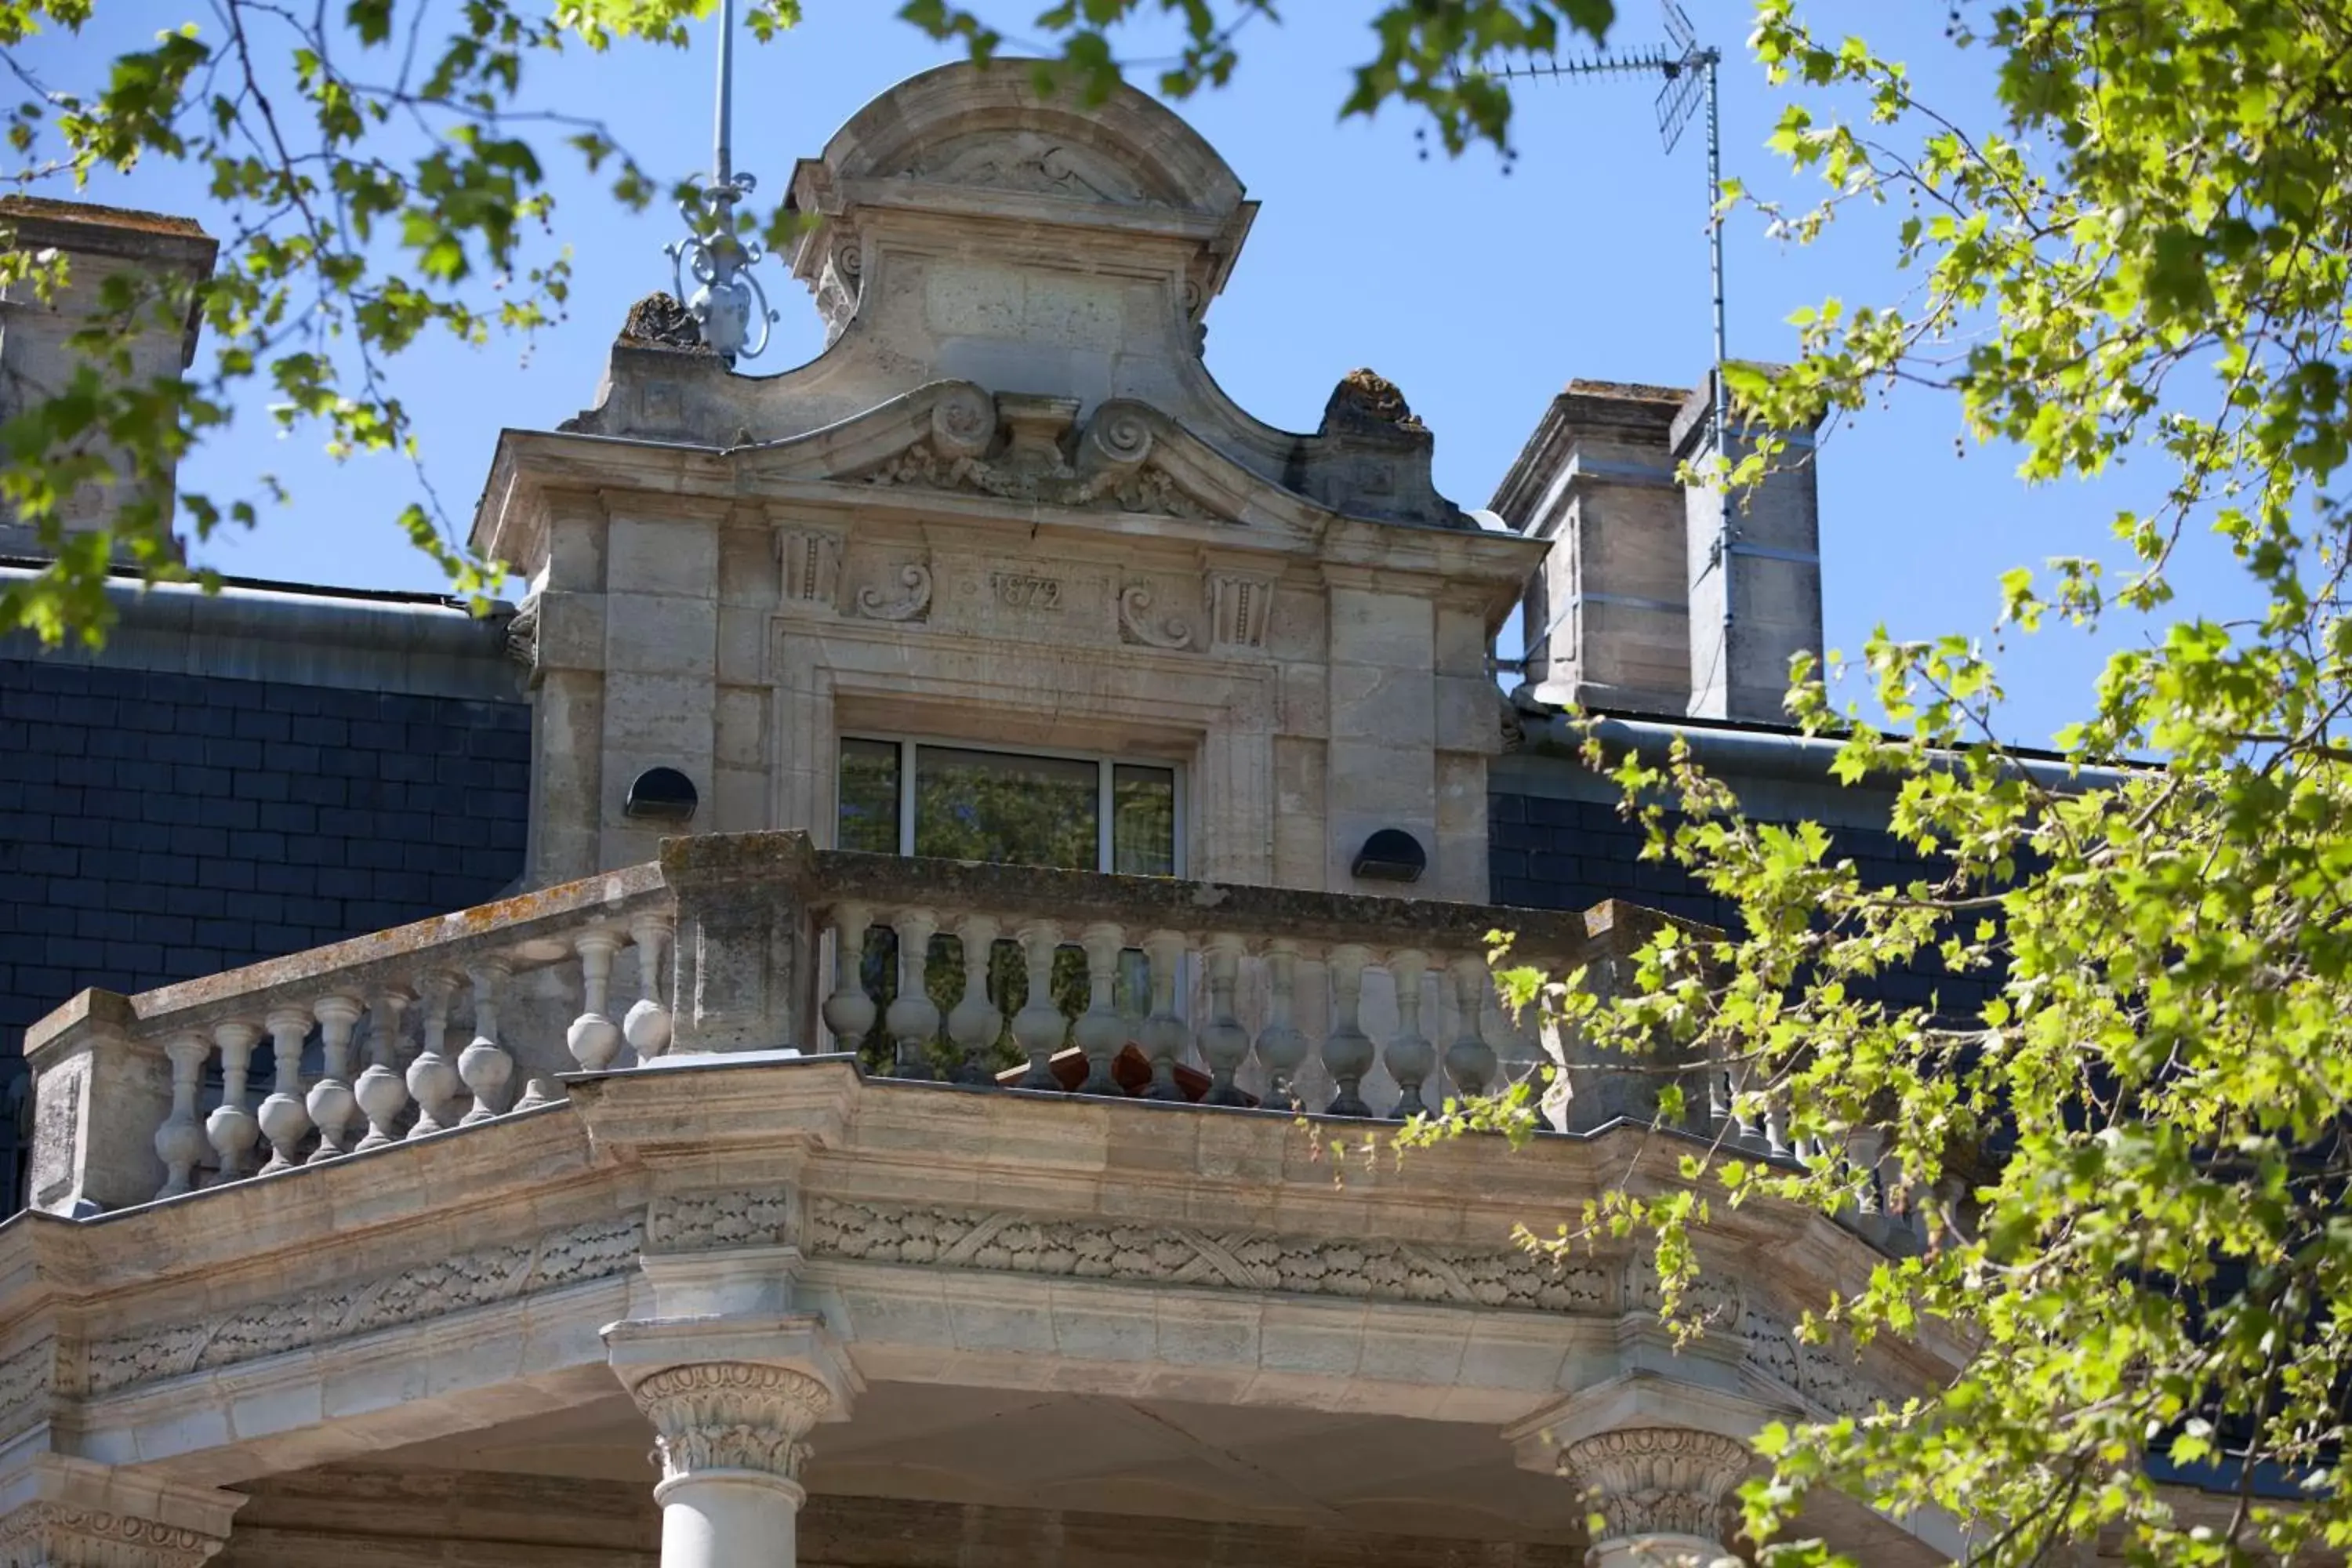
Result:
[
  {"x": 996, "y": 977},
  {"x": 1068, "y": 981},
  {"x": 343, "y": 1049}
]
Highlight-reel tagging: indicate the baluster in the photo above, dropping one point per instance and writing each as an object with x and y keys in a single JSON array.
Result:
[
  {"x": 647, "y": 1027},
  {"x": 1162, "y": 1034},
  {"x": 913, "y": 1017},
  {"x": 381, "y": 1092},
  {"x": 1776, "y": 1128},
  {"x": 432, "y": 1079},
  {"x": 1101, "y": 1032},
  {"x": 539, "y": 1086},
  {"x": 1281, "y": 1047},
  {"x": 1223, "y": 1042},
  {"x": 1718, "y": 1095},
  {"x": 849, "y": 1011},
  {"x": 231, "y": 1127},
  {"x": 1410, "y": 1055},
  {"x": 973, "y": 1023},
  {"x": 484, "y": 1063},
  {"x": 1470, "y": 1060},
  {"x": 594, "y": 1038},
  {"x": 285, "y": 1118},
  {"x": 332, "y": 1104},
  {"x": 1865, "y": 1148},
  {"x": 180, "y": 1143},
  {"x": 1346, "y": 1049},
  {"x": 1039, "y": 1027}
]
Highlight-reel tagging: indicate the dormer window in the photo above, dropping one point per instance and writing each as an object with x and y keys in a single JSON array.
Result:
[{"x": 1026, "y": 808}]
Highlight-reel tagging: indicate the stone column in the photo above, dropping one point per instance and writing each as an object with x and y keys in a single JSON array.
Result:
[
  {"x": 61, "y": 1512},
  {"x": 1661, "y": 1490},
  {"x": 731, "y": 1403}
]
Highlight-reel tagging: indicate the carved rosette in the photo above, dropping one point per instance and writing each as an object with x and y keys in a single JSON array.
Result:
[
  {"x": 1658, "y": 1481},
  {"x": 730, "y": 1416},
  {"x": 59, "y": 1535}
]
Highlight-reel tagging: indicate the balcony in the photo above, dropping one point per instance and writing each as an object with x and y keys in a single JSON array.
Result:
[{"x": 978, "y": 1196}]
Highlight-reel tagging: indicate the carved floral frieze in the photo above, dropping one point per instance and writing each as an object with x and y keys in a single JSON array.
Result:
[
  {"x": 703, "y": 1222},
  {"x": 481, "y": 1276},
  {"x": 1183, "y": 1255}
]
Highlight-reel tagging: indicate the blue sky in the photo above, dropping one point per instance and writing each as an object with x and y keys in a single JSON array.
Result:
[{"x": 1479, "y": 291}]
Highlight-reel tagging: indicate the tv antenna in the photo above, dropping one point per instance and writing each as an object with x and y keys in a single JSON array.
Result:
[
  {"x": 1688, "y": 68},
  {"x": 728, "y": 302}
]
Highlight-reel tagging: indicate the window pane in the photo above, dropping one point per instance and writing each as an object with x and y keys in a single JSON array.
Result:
[
  {"x": 1143, "y": 821},
  {"x": 990, "y": 805},
  {"x": 870, "y": 797}
]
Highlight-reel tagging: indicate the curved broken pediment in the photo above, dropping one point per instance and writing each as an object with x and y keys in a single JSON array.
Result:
[{"x": 956, "y": 438}]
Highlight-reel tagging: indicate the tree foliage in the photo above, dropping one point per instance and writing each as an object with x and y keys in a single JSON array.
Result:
[{"x": 2135, "y": 1160}]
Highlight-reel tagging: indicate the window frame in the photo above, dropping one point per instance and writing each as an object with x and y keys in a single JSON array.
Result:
[{"x": 1106, "y": 763}]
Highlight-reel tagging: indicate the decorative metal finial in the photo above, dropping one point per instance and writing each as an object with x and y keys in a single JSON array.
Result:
[{"x": 728, "y": 300}]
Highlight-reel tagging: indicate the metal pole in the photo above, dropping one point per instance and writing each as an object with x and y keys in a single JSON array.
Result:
[
  {"x": 722, "y": 170},
  {"x": 1722, "y": 394}
]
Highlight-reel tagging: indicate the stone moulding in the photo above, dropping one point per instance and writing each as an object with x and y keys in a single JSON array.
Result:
[{"x": 487, "y": 1276}]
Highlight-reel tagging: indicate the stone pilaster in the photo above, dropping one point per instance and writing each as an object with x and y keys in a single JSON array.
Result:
[
  {"x": 61, "y": 1512},
  {"x": 1661, "y": 1490}
]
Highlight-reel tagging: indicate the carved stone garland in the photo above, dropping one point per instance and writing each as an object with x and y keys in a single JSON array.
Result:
[
  {"x": 1657, "y": 1481},
  {"x": 731, "y": 1415}
]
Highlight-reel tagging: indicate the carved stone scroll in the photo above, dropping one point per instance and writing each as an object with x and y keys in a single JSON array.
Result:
[
  {"x": 915, "y": 578},
  {"x": 1137, "y": 621}
]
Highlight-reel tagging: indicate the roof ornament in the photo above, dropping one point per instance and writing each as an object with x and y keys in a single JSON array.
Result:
[{"x": 729, "y": 303}]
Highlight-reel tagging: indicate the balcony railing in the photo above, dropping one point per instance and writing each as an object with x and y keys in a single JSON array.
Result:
[{"x": 998, "y": 977}]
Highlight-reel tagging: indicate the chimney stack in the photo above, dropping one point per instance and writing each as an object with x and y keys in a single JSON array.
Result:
[
  {"x": 1628, "y": 612},
  {"x": 35, "y": 360}
]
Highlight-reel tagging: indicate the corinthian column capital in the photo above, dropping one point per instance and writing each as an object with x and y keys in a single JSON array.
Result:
[
  {"x": 1661, "y": 1489},
  {"x": 718, "y": 1417},
  {"x": 63, "y": 1512}
]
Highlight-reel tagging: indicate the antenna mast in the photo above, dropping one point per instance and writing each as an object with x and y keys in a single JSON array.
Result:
[
  {"x": 1689, "y": 70},
  {"x": 728, "y": 300}
]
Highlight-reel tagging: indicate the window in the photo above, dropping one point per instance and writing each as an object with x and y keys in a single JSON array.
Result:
[{"x": 966, "y": 803}]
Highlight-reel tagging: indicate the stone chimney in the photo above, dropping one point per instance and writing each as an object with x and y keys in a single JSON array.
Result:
[
  {"x": 98, "y": 244},
  {"x": 1754, "y": 607},
  {"x": 1627, "y": 611}
]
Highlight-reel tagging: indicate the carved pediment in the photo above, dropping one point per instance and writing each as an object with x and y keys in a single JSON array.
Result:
[
  {"x": 1032, "y": 449},
  {"x": 1033, "y": 162}
]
